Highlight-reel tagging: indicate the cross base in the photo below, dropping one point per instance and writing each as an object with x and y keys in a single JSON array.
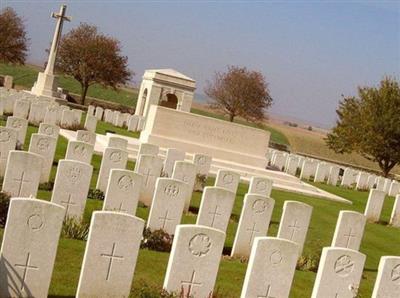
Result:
[{"x": 46, "y": 85}]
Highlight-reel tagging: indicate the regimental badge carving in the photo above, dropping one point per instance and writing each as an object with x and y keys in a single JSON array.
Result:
[
  {"x": 35, "y": 222},
  {"x": 275, "y": 257},
  {"x": 227, "y": 178},
  {"x": 125, "y": 182},
  {"x": 16, "y": 124},
  {"x": 395, "y": 275},
  {"x": 85, "y": 137},
  {"x": 43, "y": 144},
  {"x": 49, "y": 130},
  {"x": 4, "y": 136},
  {"x": 171, "y": 190},
  {"x": 344, "y": 265},
  {"x": 115, "y": 156},
  {"x": 261, "y": 185},
  {"x": 80, "y": 149},
  {"x": 259, "y": 206},
  {"x": 74, "y": 174},
  {"x": 200, "y": 245},
  {"x": 201, "y": 160}
]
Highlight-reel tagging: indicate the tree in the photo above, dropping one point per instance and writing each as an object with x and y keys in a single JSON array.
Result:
[
  {"x": 92, "y": 57},
  {"x": 369, "y": 124},
  {"x": 13, "y": 40},
  {"x": 239, "y": 92}
]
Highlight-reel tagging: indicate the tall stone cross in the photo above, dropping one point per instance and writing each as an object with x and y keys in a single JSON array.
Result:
[
  {"x": 56, "y": 39},
  {"x": 46, "y": 83}
]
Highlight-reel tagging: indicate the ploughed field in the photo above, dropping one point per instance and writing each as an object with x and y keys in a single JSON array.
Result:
[{"x": 379, "y": 239}]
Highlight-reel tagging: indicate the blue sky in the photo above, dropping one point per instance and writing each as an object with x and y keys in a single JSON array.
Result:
[{"x": 310, "y": 52}]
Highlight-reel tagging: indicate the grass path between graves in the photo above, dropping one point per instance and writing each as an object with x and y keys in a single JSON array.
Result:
[{"x": 379, "y": 239}]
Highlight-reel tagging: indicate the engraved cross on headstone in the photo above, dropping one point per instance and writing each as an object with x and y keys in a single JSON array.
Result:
[
  {"x": 27, "y": 266},
  {"x": 214, "y": 214},
  {"x": 253, "y": 232},
  {"x": 349, "y": 236},
  {"x": 147, "y": 175},
  {"x": 21, "y": 182},
  {"x": 267, "y": 294},
  {"x": 294, "y": 228},
  {"x": 190, "y": 283},
  {"x": 165, "y": 219},
  {"x": 111, "y": 257},
  {"x": 67, "y": 204}
]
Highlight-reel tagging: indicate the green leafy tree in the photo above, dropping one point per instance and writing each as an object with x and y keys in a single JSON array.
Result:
[
  {"x": 13, "y": 40},
  {"x": 239, "y": 92},
  {"x": 369, "y": 124},
  {"x": 92, "y": 57}
]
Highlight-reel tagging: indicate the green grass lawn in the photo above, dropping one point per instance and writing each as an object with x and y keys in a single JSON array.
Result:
[
  {"x": 276, "y": 135},
  {"x": 26, "y": 75},
  {"x": 379, "y": 239}
]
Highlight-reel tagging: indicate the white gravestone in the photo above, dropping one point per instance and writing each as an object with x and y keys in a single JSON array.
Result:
[
  {"x": 49, "y": 129},
  {"x": 186, "y": 172},
  {"x": 110, "y": 256},
  {"x": 333, "y": 177},
  {"x": 371, "y": 181},
  {"x": 216, "y": 207},
  {"x": 194, "y": 260},
  {"x": 8, "y": 142},
  {"x": 26, "y": 261},
  {"x": 37, "y": 112},
  {"x": 291, "y": 165},
  {"x": 322, "y": 172},
  {"x": 148, "y": 149},
  {"x": 123, "y": 191},
  {"x": 394, "y": 188},
  {"x": 227, "y": 179},
  {"x": 52, "y": 115},
  {"x": 133, "y": 122},
  {"x": 116, "y": 142},
  {"x": 349, "y": 230},
  {"x": 113, "y": 158},
  {"x": 91, "y": 110},
  {"x": 71, "y": 187},
  {"x": 374, "y": 206},
  {"x": 167, "y": 205},
  {"x": 172, "y": 156},
  {"x": 149, "y": 166},
  {"x": 67, "y": 119},
  {"x": 395, "y": 217},
  {"x": 349, "y": 177},
  {"x": 294, "y": 222},
  {"x": 271, "y": 268},
  {"x": 380, "y": 183},
  {"x": 86, "y": 136},
  {"x": 260, "y": 186},
  {"x": 339, "y": 273},
  {"x": 203, "y": 165},
  {"x": 99, "y": 113},
  {"x": 254, "y": 222},
  {"x": 23, "y": 173},
  {"x": 90, "y": 123},
  {"x": 44, "y": 146},
  {"x": 307, "y": 170},
  {"x": 362, "y": 181},
  {"x": 77, "y": 116},
  {"x": 387, "y": 283},
  {"x": 116, "y": 116},
  {"x": 79, "y": 151},
  {"x": 21, "y": 108},
  {"x": 20, "y": 125}
]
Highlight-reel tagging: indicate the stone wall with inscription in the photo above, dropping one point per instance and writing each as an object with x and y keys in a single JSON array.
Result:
[{"x": 198, "y": 134}]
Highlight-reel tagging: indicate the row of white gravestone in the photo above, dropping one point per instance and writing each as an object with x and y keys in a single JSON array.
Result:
[
  {"x": 26, "y": 262},
  {"x": 41, "y": 110},
  {"x": 131, "y": 122},
  {"x": 320, "y": 171}
]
